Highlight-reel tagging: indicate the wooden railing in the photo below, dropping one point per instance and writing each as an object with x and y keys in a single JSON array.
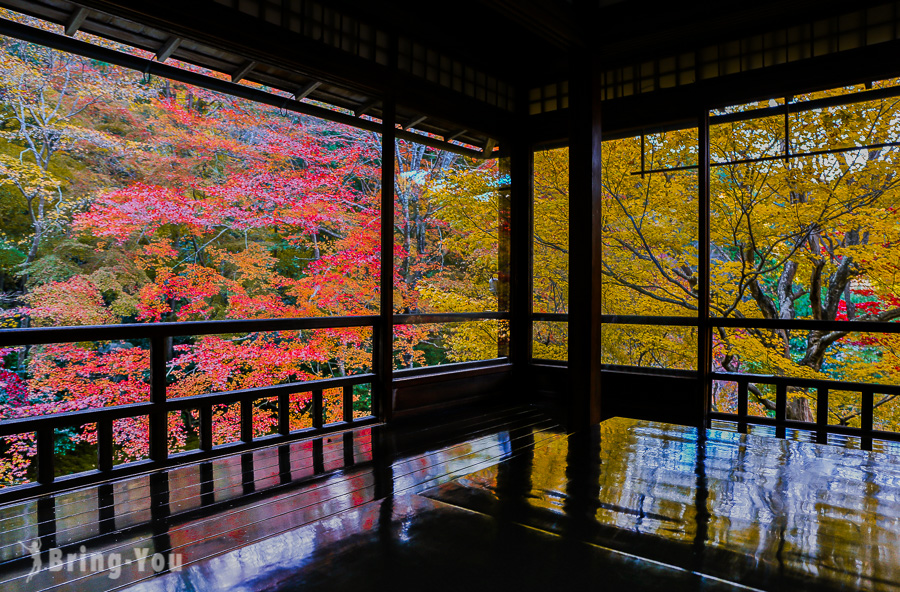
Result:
[
  {"x": 159, "y": 405},
  {"x": 870, "y": 395}
]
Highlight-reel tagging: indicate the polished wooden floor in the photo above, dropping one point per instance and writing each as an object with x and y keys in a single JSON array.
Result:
[{"x": 499, "y": 499}]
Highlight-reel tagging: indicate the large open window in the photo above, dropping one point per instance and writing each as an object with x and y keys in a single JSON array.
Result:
[
  {"x": 184, "y": 269},
  {"x": 134, "y": 199},
  {"x": 804, "y": 249},
  {"x": 649, "y": 251},
  {"x": 451, "y": 255}
]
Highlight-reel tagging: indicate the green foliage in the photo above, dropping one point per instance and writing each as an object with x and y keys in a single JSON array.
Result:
[{"x": 10, "y": 256}]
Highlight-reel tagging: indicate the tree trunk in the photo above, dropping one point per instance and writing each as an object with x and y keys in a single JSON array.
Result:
[{"x": 798, "y": 410}]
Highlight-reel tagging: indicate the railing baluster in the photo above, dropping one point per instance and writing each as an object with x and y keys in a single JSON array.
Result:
[
  {"x": 318, "y": 420},
  {"x": 159, "y": 420},
  {"x": 284, "y": 414},
  {"x": 206, "y": 428},
  {"x": 348, "y": 403},
  {"x": 780, "y": 409},
  {"x": 743, "y": 403},
  {"x": 105, "y": 444},
  {"x": 46, "y": 473},
  {"x": 866, "y": 417},
  {"x": 822, "y": 415},
  {"x": 247, "y": 420}
]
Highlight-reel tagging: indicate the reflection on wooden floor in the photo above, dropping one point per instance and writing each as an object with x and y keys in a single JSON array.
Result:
[
  {"x": 768, "y": 513},
  {"x": 197, "y": 512},
  {"x": 502, "y": 499}
]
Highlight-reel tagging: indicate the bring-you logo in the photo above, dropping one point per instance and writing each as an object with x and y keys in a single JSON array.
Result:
[{"x": 141, "y": 559}]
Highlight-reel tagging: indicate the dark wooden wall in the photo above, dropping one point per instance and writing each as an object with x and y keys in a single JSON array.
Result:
[
  {"x": 414, "y": 395},
  {"x": 657, "y": 397}
]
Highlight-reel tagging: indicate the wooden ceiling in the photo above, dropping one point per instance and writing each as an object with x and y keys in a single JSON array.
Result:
[{"x": 470, "y": 63}]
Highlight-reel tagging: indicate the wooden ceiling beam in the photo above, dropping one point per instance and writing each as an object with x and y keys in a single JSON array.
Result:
[
  {"x": 305, "y": 91},
  {"x": 168, "y": 48},
  {"x": 241, "y": 72},
  {"x": 362, "y": 109},
  {"x": 415, "y": 121},
  {"x": 455, "y": 135},
  {"x": 75, "y": 21}
]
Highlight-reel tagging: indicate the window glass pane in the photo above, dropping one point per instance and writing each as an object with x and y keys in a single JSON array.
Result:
[
  {"x": 162, "y": 201},
  {"x": 551, "y": 341},
  {"x": 451, "y": 241},
  {"x": 811, "y": 237},
  {"x": 649, "y": 252},
  {"x": 846, "y": 90},
  {"x": 748, "y": 106},
  {"x": 740, "y": 140},
  {"x": 852, "y": 356},
  {"x": 447, "y": 231},
  {"x": 814, "y": 238},
  {"x": 845, "y": 126},
  {"x": 551, "y": 231},
  {"x": 448, "y": 343},
  {"x": 649, "y": 346},
  {"x": 672, "y": 149}
]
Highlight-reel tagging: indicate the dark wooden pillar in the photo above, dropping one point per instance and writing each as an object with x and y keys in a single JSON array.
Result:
[
  {"x": 521, "y": 281},
  {"x": 383, "y": 338},
  {"x": 584, "y": 239},
  {"x": 383, "y": 334},
  {"x": 704, "y": 333}
]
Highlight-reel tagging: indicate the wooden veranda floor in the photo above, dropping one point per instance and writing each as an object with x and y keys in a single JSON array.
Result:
[{"x": 495, "y": 499}]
